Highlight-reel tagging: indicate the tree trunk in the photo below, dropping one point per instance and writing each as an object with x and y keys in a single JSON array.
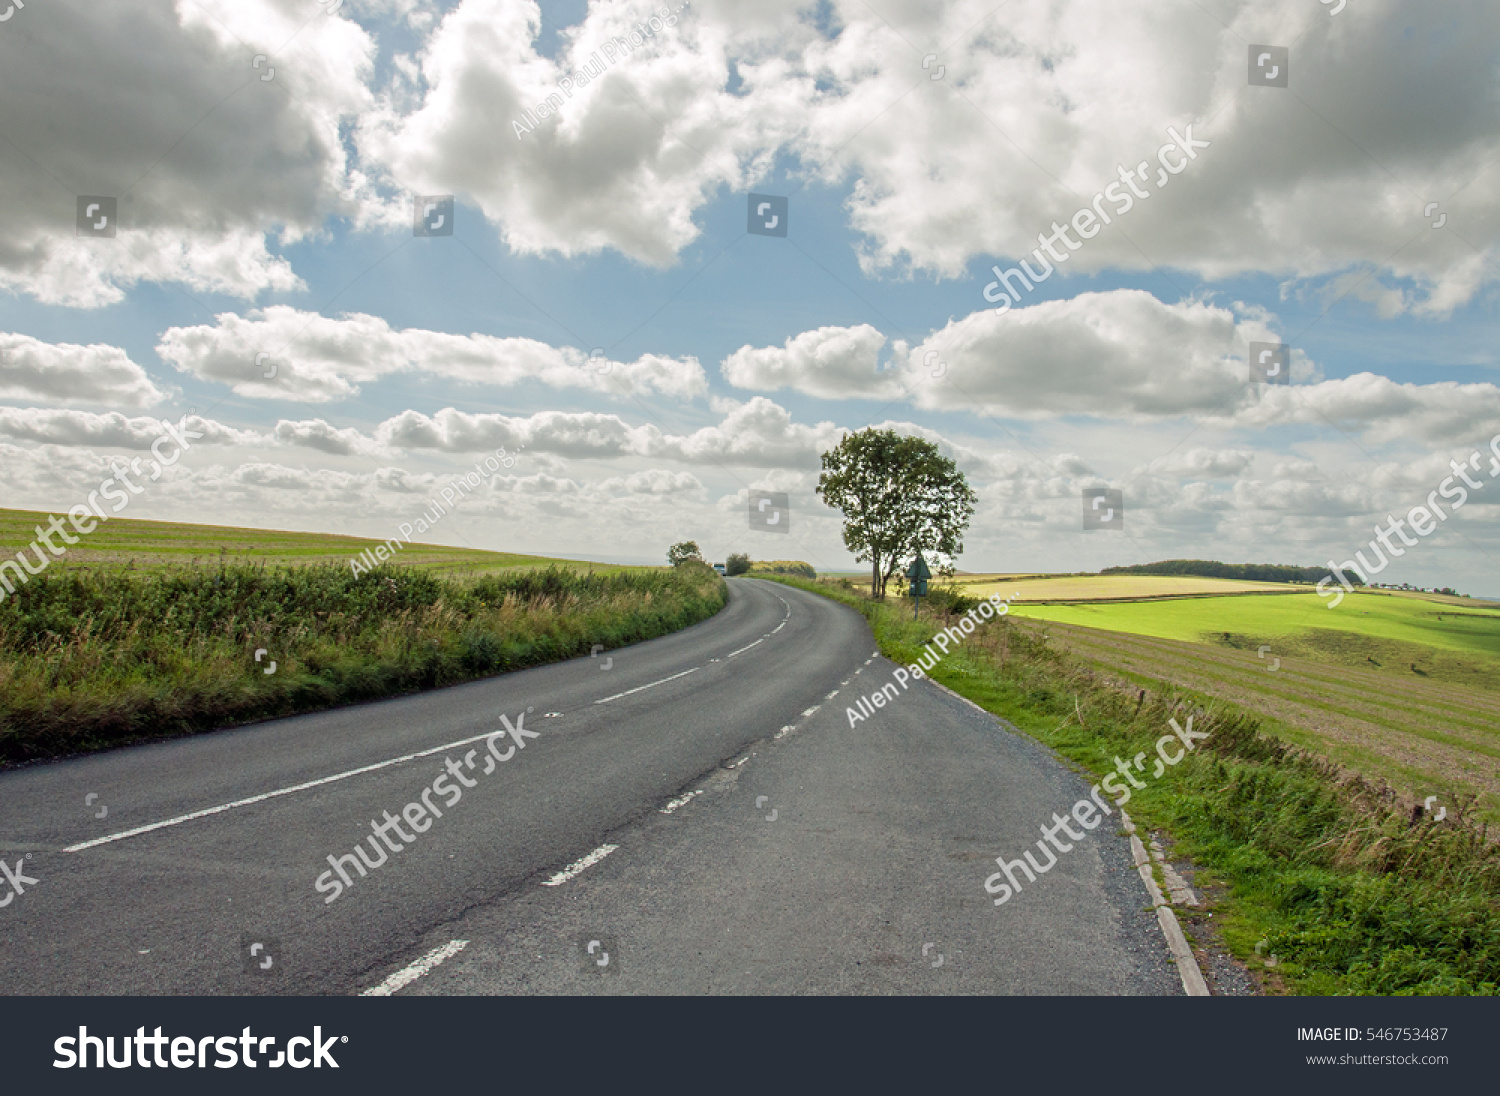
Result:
[{"x": 876, "y": 589}]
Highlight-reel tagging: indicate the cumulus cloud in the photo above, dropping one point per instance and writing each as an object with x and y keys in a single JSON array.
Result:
[
  {"x": 1120, "y": 354},
  {"x": 758, "y": 434},
  {"x": 1203, "y": 464},
  {"x": 317, "y": 358},
  {"x": 1384, "y": 409},
  {"x": 157, "y": 104},
  {"x": 1040, "y": 107},
  {"x": 831, "y": 362},
  {"x": 319, "y": 435},
  {"x": 68, "y": 373},
  {"x": 54, "y": 426},
  {"x": 637, "y": 148}
]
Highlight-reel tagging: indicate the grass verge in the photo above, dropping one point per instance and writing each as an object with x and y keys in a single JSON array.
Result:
[
  {"x": 1320, "y": 867},
  {"x": 90, "y": 659}
]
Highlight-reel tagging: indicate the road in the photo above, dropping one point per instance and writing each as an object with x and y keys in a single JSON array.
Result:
[{"x": 760, "y": 844}]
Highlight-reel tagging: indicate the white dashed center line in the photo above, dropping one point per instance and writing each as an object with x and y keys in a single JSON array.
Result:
[
  {"x": 421, "y": 967},
  {"x": 742, "y": 650},
  {"x": 577, "y": 867},
  {"x": 274, "y": 795},
  {"x": 653, "y": 685},
  {"x": 672, "y": 806}
]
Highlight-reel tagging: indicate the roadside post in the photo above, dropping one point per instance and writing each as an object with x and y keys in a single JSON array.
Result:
[{"x": 917, "y": 575}]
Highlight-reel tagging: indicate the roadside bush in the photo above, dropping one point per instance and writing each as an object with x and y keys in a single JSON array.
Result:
[
  {"x": 93, "y": 658},
  {"x": 784, "y": 567}
]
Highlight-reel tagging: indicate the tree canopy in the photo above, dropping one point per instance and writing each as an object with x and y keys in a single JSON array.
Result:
[
  {"x": 899, "y": 495},
  {"x": 683, "y": 551}
]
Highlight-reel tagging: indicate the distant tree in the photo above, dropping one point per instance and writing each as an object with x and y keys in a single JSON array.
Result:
[
  {"x": 681, "y": 553},
  {"x": 736, "y": 564},
  {"x": 899, "y": 494},
  {"x": 1208, "y": 568}
]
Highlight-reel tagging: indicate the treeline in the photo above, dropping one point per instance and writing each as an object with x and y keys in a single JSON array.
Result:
[
  {"x": 1247, "y": 572},
  {"x": 94, "y": 658}
]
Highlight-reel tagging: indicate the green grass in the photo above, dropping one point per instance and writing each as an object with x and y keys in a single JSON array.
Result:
[
  {"x": 1472, "y": 629},
  {"x": 1326, "y": 868},
  {"x": 131, "y": 542}
]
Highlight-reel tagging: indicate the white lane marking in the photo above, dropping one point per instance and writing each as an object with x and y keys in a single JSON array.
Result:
[
  {"x": 784, "y": 731},
  {"x": 778, "y": 627},
  {"x": 423, "y": 966},
  {"x": 579, "y": 866},
  {"x": 653, "y": 685},
  {"x": 273, "y": 795},
  {"x": 844, "y": 682},
  {"x": 875, "y": 654},
  {"x": 742, "y": 650},
  {"x": 737, "y": 764},
  {"x": 831, "y": 695},
  {"x": 672, "y": 806},
  {"x": 810, "y": 711}
]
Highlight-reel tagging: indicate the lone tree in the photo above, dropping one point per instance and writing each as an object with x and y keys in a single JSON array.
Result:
[
  {"x": 736, "y": 564},
  {"x": 898, "y": 495},
  {"x": 682, "y": 552}
]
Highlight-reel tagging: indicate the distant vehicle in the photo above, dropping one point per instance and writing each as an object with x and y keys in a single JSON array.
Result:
[{"x": 719, "y": 567}]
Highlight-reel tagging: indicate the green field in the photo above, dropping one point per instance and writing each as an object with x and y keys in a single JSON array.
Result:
[
  {"x": 1446, "y": 624},
  {"x": 1404, "y": 688},
  {"x": 122, "y": 542}
]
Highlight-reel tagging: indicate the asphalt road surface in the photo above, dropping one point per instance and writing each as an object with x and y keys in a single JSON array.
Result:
[{"x": 694, "y": 814}]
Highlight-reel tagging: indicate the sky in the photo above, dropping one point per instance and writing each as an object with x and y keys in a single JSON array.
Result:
[{"x": 361, "y": 246}]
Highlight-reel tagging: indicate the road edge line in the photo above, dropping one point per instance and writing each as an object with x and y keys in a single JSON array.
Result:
[{"x": 1193, "y": 983}]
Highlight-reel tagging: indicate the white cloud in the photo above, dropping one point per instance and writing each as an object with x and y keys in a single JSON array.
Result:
[
  {"x": 632, "y": 155},
  {"x": 1120, "y": 354},
  {"x": 1383, "y": 409},
  {"x": 758, "y": 434},
  {"x": 156, "y": 103},
  {"x": 317, "y": 358},
  {"x": 831, "y": 362},
  {"x": 54, "y": 426},
  {"x": 319, "y": 435},
  {"x": 1203, "y": 464},
  {"x": 1039, "y": 107},
  {"x": 68, "y": 373}
]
